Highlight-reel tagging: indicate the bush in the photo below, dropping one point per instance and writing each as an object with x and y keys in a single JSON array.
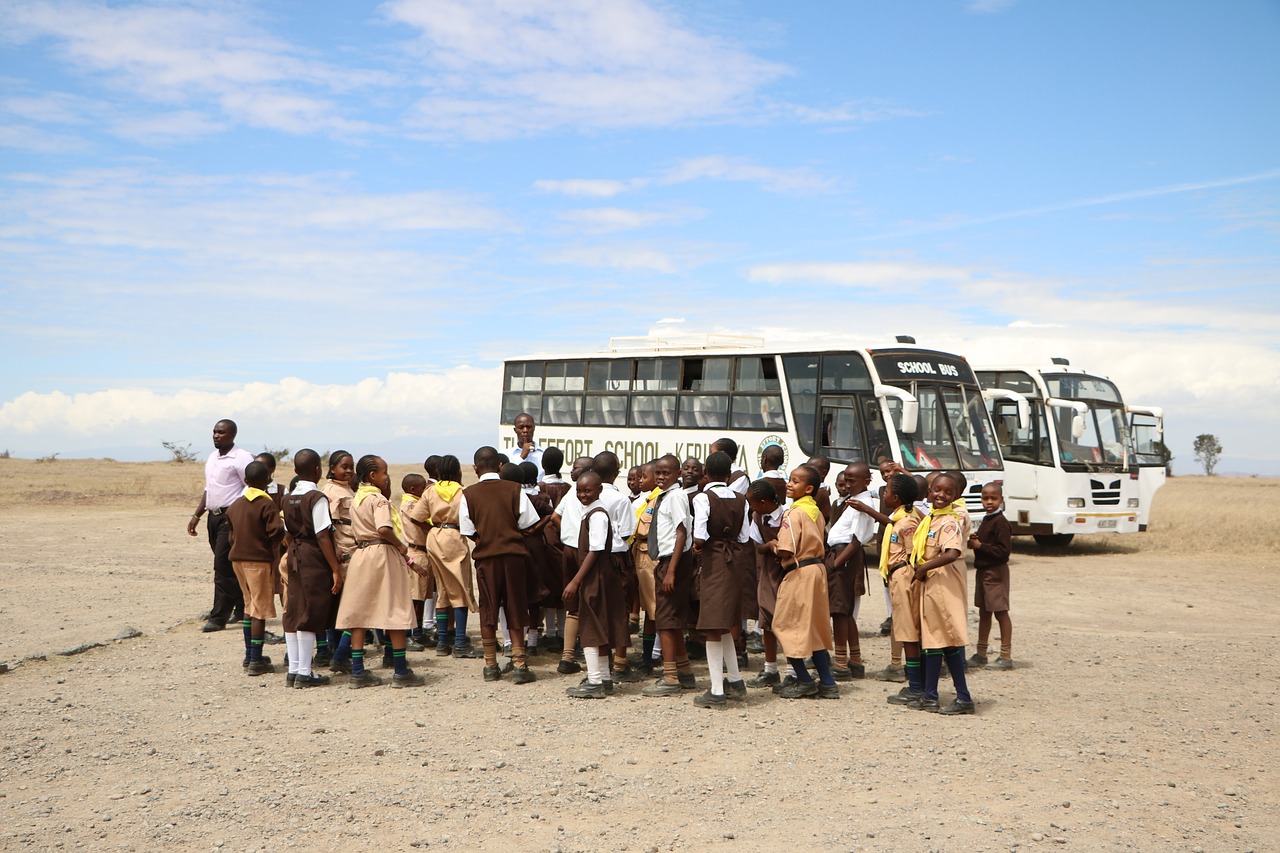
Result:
[
  {"x": 52, "y": 457},
  {"x": 5, "y": 454},
  {"x": 280, "y": 454},
  {"x": 181, "y": 453}
]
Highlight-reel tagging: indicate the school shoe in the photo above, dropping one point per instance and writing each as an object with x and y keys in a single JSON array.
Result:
[
  {"x": 976, "y": 659},
  {"x": 322, "y": 658},
  {"x": 765, "y": 679},
  {"x": 633, "y": 626},
  {"x": 929, "y": 705},
  {"x": 272, "y": 639},
  {"x": 891, "y": 673},
  {"x": 342, "y": 666},
  {"x": 736, "y": 690},
  {"x": 1000, "y": 664},
  {"x": 755, "y": 644},
  {"x": 586, "y": 690},
  {"x": 213, "y": 625},
  {"x": 492, "y": 673},
  {"x": 662, "y": 687},
  {"x": 290, "y": 678},
  {"x": 743, "y": 663},
  {"x": 509, "y": 666},
  {"x": 388, "y": 661},
  {"x": 468, "y": 652},
  {"x": 957, "y": 707},
  {"x": 626, "y": 675},
  {"x": 784, "y": 683},
  {"x": 553, "y": 644},
  {"x": 828, "y": 691},
  {"x": 259, "y": 667},
  {"x": 506, "y": 649},
  {"x": 841, "y": 673},
  {"x": 568, "y": 667},
  {"x": 886, "y": 626},
  {"x": 312, "y": 680},
  {"x": 799, "y": 690},
  {"x": 364, "y": 679},
  {"x": 409, "y": 679},
  {"x": 412, "y": 645},
  {"x": 443, "y": 649},
  {"x": 707, "y": 699},
  {"x": 905, "y": 696},
  {"x": 688, "y": 681},
  {"x": 523, "y": 675}
]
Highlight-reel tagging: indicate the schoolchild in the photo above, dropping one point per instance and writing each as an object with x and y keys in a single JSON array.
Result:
[
  {"x": 802, "y": 618},
  {"x": 314, "y": 573},
  {"x": 544, "y": 591},
  {"x": 738, "y": 480},
  {"x": 898, "y": 499},
  {"x": 415, "y": 537},
  {"x": 339, "y": 489},
  {"x": 256, "y": 535},
  {"x": 771, "y": 461},
  {"x": 991, "y": 546},
  {"x": 851, "y": 531},
  {"x": 568, "y": 517},
  {"x": 450, "y": 559},
  {"x": 766, "y": 520},
  {"x": 644, "y": 562},
  {"x": 622, "y": 524},
  {"x": 670, "y": 539},
  {"x": 554, "y": 488}
]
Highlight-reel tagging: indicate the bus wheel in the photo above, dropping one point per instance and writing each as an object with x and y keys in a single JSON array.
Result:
[{"x": 1054, "y": 541}]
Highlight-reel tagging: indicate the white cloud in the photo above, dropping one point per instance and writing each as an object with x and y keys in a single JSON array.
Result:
[
  {"x": 586, "y": 187},
  {"x": 636, "y": 257},
  {"x": 856, "y": 274},
  {"x": 600, "y": 220},
  {"x": 719, "y": 168},
  {"x": 501, "y": 69}
]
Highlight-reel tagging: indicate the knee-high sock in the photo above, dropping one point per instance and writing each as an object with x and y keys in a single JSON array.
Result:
[
  {"x": 715, "y": 666},
  {"x": 797, "y": 666},
  {"x": 428, "y": 611},
  {"x": 459, "y": 626},
  {"x": 570, "y": 636},
  {"x": 822, "y": 663},
  {"x": 306, "y": 652},
  {"x": 730, "y": 658},
  {"x": 857, "y": 608},
  {"x": 954, "y": 657},
  {"x": 503, "y": 637},
  {"x": 291, "y": 649},
  {"x": 343, "y": 648},
  {"x": 915, "y": 674},
  {"x": 592, "y": 654},
  {"x": 657, "y": 647},
  {"x": 932, "y": 672},
  {"x": 247, "y": 625},
  {"x": 888, "y": 603}
]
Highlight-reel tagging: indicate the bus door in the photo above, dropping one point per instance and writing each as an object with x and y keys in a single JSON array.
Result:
[
  {"x": 1146, "y": 439},
  {"x": 1021, "y": 434},
  {"x": 840, "y": 434}
]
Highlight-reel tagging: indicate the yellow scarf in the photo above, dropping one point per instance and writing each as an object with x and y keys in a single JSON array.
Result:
[
  {"x": 446, "y": 489},
  {"x": 251, "y": 494},
  {"x": 921, "y": 539},
  {"x": 648, "y": 503},
  {"x": 407, "y": 499},
  {"x": 810, "y": 507},
  {"x": 364, "y": 491},
  {"x": 887, "y": 537}
]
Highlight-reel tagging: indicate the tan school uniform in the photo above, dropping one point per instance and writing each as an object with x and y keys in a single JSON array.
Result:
[
  {"x": 377, "y": 592},
  {"x": 802, "y": 615},
  {"x": 944, "y": 599},
  {"x": 644, "y": 563},
  {"x": 447, "y": 549},
  {"x": 416, "y": 538},
  {"x": 904, "y": 591},
  {"x": 340, "y": 496}
]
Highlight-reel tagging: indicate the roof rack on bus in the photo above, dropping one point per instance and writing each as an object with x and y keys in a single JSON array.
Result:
[{"x": 683, "y": 342}]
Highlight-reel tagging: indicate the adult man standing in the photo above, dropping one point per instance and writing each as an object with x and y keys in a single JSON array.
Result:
[
  {"x": 526, "y": 450},
  {"x": 223, "y": 483}
]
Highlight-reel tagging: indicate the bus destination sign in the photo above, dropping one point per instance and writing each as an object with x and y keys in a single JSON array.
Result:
[{"x": 921, "y": 366}]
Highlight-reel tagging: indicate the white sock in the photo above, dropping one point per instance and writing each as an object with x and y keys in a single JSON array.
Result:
[
  {"x": 715, "y": 667},
  {"x": 428, "y": 611},
  {"x": 657, "y": 647},
  {"x": 306, "y": 651},
  {"x": 771, "y": 666},
  {"x": 888, "y": 602},
  {"x": 291, "y": 646},
  {"x": 592, "y": 654},
  {"x": 857, "y": 605},
  {"x": 503, "y": 637},
  {"x": 531, "y": 637},
  {"x": 730, "y": 658}
]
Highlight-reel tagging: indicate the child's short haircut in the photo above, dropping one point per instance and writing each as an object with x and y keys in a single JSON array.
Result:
[
  {"x": 995, "y": 484},
  {"x": 719, "y": 465},
  {"x": 961, "y": 481},
  {"x": 552, "y": 461},
  {"x": 772, "y": 456},
  {"x": 955, "y": 481},
  {"x": 528, "y": 473},
  {"x": 432, "y": 466},
  {"x": 904, "y": 486},
  {"x": 810, "y": 475},
  {"x": 510, "y": 471},
  {"x": 503, "y": 459},
  {"x": 762, "y": 490},
  {"x": 488, "y": 458},
  {"x": 411, "y": 481},
  {"x": 727, "y": 445},
  {"x": 450, "y": 469},
  {"x": 606, "y": 465},
  {"x": 269, "y": 459},
  {"x": 256, "y": 473}
]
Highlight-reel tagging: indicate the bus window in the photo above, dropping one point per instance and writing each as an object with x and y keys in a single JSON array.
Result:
[
  {"x": 930, "y": 445},
  {"x": 658, "y": 374},
  {"x": 653, "y": 410},
  {"x": 757, "y": 374},
  {"x": 610, "y": 376},
  {"x": 802, "y": 386},
  {"x": 1148, "y": 450},
  {"x": 968, "y": 416},
  {"x": 841, "y": 434},
  {"x": 522, "y": 387},
  {"x": 1111, "y": 428},
  {"x": 605, "y": 410},
  {"x": 561, "y": 409},
  {"x": 704, "y": 410},
  {"x": 1023, "y": 445},
  {"x": 844, "y": 373},
  {"x": 877, "y": 435},
  {"x": 757, "y": 411},
  {"x": 706, "y": 374},
  {"x": 566, "y": 376}
]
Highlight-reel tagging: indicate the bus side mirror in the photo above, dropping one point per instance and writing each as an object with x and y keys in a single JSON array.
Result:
[
  {"x": 1024, "y": 407},
  {"x": 910, "y": 406},
  {"x": 1077, "y": 427}
]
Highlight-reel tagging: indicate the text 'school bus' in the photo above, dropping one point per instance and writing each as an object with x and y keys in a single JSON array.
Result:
[
  {"x": 648, "y": 397},
  {"x": 1069, "y": 462}
]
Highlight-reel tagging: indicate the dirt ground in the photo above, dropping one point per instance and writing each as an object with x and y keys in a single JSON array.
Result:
[{"x": 1142, "y": 714}]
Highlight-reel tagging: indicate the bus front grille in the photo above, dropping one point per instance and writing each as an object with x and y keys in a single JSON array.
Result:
[{"x": 1104, "y": 495}]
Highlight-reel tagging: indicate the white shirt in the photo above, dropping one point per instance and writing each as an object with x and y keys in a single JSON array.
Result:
[
  {"x": 570, "y": 510},
  {"x": 535, "y": 456},
  {"x": 320, "y": 518},
  {"x": 775, "y": 474},
  {"x": 673, "y": 512},
  {"x": 853, "y": 524},
  {"x": 224, "y": 477},
  {"x": 773, "y": 519},
  {"x": 702, "y": 512},
  {"x": 528, "y": 515},
  {"x": 620, "y": 513},
  {"x": 598, "y": 526},
  {"x": 740, "y": 485}
]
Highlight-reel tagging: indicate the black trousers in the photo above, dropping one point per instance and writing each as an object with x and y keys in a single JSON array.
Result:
[{"x": 228, "y": 600}]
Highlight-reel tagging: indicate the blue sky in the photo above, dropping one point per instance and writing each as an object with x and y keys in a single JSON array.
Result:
[{"x": 331, "y": 221}]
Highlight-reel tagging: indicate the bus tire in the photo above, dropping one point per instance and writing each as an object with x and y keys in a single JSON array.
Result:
[{"x": 1054, "y": 541}]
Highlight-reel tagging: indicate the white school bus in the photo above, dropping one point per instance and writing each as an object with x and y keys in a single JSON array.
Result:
[
  {"x": 646, "y": 397},
  {"x": 1070, "y": 462}
]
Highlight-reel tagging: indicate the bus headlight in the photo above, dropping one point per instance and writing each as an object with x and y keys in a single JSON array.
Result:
[
  {"x": 1075, "y": 502},
  {"x": 1133, "y": 501}
]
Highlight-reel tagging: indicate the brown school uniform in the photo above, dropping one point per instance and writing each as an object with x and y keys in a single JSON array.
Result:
[
  {"x": 673, "y": 611},
  {"x": 447, "y": 551},
  {"x": 499, "y": 552},
  {"x": 904, "y": 591},
  {"x": 256, "y": 534},
  {"x": 802, "y": 618},
  {"x": 340, "y": 496},
  {"x": 991, "y": 563},
  {"x": 768, "y": 575},
  {"x": 721, "y": 582},
  {"x": 944, "y": 599},
  {"x": 545, "y": 588},
  {"x": 554, "y": 493},
  {"x": 309, "y": 603},
  {"x": 643, "y": 562},
  {"x": 377, "y": 592},
  {"x": 415, "y": 537},
  {"x": 602, "y": 606}
]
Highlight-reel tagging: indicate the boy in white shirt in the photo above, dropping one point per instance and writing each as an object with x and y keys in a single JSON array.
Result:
[{"x": 846, "y": 568}]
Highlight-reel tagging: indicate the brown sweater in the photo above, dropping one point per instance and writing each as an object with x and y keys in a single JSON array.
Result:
[
  {"x": 256, "y": 530},
  {"x": 494, "y": 507}
]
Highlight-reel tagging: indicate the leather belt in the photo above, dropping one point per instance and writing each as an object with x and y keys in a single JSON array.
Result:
[{"x": 810, "y": 561}]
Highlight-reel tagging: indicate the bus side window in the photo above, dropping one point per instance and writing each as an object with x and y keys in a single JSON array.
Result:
[{"x": 802, "y": 387}]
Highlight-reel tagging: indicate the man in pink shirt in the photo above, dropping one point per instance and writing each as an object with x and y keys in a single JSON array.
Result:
[{"x": 223, "y": 484}]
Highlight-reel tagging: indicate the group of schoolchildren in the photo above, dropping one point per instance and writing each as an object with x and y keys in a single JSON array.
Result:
[{"x": 695, "y": 557}]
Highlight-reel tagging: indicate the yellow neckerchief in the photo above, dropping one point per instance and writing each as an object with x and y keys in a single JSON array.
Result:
[
  {"x": 648, "y": 503},
  {"x": 810, "y": 507},
  {"x": 921, "y": 539},
  {"x": 887, "y": 536},
  {"x": 364, "y": 491},
  {"x": 407, "y": 499},
  {"x": 446, "y": 489},
  {"x": 252, "y": 494}
]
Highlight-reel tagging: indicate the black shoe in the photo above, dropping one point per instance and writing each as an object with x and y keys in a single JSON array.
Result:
[
  {"x": 735, "y": 689},
  {"x": 492, "y": 673},
  {"x": 312, "y": 680},
  {"x": 755, "y": 644},
  {"x": 828, "y": 691},
  {"x": 322, "y": 658},
  {"x": 340, "y": 665},
  {"x": 468, "y": 652},
  {"x": 553, "y": 644},
  {"x": 568, "y": 667},
  {"x": 272, "y": 639},
  {"x": 886, "y": 626},
  {"x": 858, "y": 671},
  {"x": 259, "y": 667},
  {"x": 742, "y": 662},
  {"x": 364, "y": 679},
  {"x": 764, "y": 679},
  {"x": 237, "y": 616},
  {"x": 412, "y": 645},
  {"x": 290, "y": 678},
  {"x": 523, "y": 675},
  {"x": 891, "y": 673},
  {"x": 784, "y": 683},
  {"x": 687, "y": 682},
  {"x": 633, "y": 627},
  {"x": 509, "y": 666},
  {"x": 586, "y": 690},
  {"x": 409, "y": 679},
  {"x": 958, "y": 707},
  {"x": 444, "y": 649},
  {"x": 645, "y": 668},
  {"x": 799, "y": 690},
  {"x": 707, "y": 699},
  {"x": 906, "y": 696},
  {"x": 930, "y": 705},
  {"x": 841, "y": 673},
  {"x": 388, "y": 662},
  {"x": 213, "y": 625},
  {"x": 661, "y": 687},
  {"x": 626, "y": 675}
]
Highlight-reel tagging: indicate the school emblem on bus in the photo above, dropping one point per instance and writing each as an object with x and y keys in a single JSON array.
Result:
[{"x": 773, "y": 441}]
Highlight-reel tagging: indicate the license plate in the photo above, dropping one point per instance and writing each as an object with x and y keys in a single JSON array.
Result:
[{"x": 1108, "y": 523}]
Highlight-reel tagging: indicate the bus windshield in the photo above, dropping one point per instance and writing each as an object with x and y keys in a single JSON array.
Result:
[
  {"x": 953, "y": 430},
  {"x": 1103, "y": 441}
]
